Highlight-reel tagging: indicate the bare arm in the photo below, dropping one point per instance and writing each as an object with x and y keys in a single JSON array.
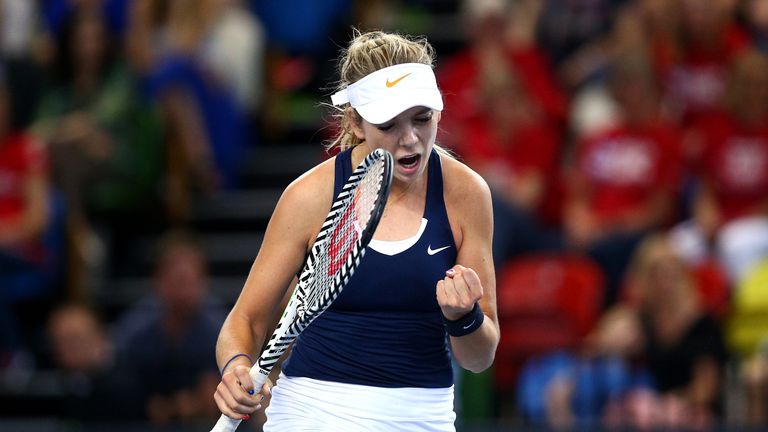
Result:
[
  {"x": 188, "y": 125},
  {"x": 650, "y": 214},
  {"x": 706, "y": 211},
  {"x": 294, "y": 224},
  {"x": 36, "y": 212},
  {"x": 702, "y": 392},
  {"x": 579, "y": 222},
  {"x": 473, "y": 278}
]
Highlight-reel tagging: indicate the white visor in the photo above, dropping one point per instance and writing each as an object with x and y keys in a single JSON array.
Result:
[{"x": 382, "y": 95}]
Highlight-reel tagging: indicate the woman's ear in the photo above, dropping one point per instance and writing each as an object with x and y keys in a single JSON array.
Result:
[{"x": 356, "y": 122}]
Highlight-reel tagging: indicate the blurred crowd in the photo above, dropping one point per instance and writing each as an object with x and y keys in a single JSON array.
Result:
[
  {"x": 626, "y": 147},
  {"x": 625, "y": 143}
]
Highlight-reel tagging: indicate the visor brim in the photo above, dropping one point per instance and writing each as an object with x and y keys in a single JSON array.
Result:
[{"x": 383, "y": 110}]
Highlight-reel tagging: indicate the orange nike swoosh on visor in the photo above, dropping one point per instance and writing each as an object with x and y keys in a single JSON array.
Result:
[{"x": 392, "y": 83}]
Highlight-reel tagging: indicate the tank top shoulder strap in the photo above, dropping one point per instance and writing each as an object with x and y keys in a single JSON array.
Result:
[
  {"x": 343, "y": 171},
  {"x": 435, "y": 205}
]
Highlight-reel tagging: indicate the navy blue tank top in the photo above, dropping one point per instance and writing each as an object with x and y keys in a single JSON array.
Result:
[{"x": 385, "y": 328}]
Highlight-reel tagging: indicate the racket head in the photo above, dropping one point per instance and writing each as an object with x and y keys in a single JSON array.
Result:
[
  {"x": 353, "y": 219},
  {"x": 386, "y": 185}
]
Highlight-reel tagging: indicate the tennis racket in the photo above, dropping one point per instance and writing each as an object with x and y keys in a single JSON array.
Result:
[{"x": 332, "y": 260}]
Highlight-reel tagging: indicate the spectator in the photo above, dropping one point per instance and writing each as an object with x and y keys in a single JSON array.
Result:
[
  {"x": 731, "y": 206},
  {"x": 169, "y": 338},
  {"x": 635, "y": 27},
  {"x": 512, "y": 145},
  {"x": 96, "y": 388},
  {"x": 624, "y": 179},
  {"x": 206, "y": 125},
  {"x": 20, "y": 54},
  {"x": 694, "y": 62},
  {"x": 301, "y": 47},
  {"x": 747, "y": 335},
  {"x": 499, "y": 42},
  {"x": 24, "y": 201},
  {"x": 235, "y": 52},
  {"x": 105, "y": 141},
  {"x": 30, "y": 230},
  {"x": 684, "y": 346},
  {"x": 755, "y": 13},
  {"x": 754, "y": 373},
  {"x": 587, "y": 389},
  {"x": 606, "y": 27},
  {"x": 18, "y": 28},
  {"x": 505, "y": 123}
]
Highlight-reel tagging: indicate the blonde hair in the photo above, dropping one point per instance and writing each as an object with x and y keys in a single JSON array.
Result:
[
  {"x": 657, "y": 249},
  {"x": 367, "y": 53}
]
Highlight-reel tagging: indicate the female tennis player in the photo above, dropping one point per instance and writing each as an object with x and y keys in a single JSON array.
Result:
[{"x": 380, "y": 357}]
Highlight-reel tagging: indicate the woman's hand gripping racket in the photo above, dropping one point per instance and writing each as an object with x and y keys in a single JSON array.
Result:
[{"x": 336, "y": 253}]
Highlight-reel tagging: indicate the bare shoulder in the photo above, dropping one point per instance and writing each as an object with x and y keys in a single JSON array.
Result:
[
  {"x": 309, "y": 187},
  {"x": 462, "y": 185},
  {"x": 470, "y": 213},
  {"x": 467, "y": 201},
  {"x": 308, "y": 198}
]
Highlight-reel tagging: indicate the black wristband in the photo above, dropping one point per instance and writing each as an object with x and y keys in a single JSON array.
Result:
[{"x": 466, "y": 324}]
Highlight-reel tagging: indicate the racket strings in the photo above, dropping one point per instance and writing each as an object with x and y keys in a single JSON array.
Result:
[{"x": 353, "y": 218}]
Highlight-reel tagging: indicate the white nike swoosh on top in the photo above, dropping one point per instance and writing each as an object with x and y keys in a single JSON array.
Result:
[
  {"x": 469, "y": 325},
  {"x": 434, "y": 251}
]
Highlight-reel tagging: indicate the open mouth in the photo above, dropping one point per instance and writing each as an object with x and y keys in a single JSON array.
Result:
[{"x": 409, "y": 161}]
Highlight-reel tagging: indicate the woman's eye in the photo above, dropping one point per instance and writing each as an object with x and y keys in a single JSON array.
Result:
[
  {"x": 425, "y": 119},
  {"x": 384, "y": 128}
]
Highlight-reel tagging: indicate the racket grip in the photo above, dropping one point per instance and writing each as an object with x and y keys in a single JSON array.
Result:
[
  {"x": 226, "y": 424},
  {"x": 258, "y": 376}
]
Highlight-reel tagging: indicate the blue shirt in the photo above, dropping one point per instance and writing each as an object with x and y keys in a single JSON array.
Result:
[{"x": 385, "y": 328}]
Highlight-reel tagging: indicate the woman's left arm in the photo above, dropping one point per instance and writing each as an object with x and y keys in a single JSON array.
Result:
[{"x": 472, "y": 280}]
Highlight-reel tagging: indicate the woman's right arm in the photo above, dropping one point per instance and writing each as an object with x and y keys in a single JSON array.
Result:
[{"x": 290, "y": 232}]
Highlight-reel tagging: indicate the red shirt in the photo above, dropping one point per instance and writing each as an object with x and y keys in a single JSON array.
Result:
[
  {"x": 458, "y": 79},
  {"x": 532, "y": 148},
  {"x": 736, "y": 164},
  {"x": 626, "y": 167},
  {"x": 21, "y": 157},
  {"x": 696, "y": 82}
]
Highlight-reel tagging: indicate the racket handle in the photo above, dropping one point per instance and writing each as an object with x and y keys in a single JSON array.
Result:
[
  {"x": 258, "y": 376},
  {"x": 226, "y": 424}
]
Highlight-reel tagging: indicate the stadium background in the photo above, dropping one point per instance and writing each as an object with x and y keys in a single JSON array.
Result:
[{"x": 144, "y": 143}]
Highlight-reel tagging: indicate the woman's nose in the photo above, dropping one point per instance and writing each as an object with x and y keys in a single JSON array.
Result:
[{"x": 409, "y": 136}]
